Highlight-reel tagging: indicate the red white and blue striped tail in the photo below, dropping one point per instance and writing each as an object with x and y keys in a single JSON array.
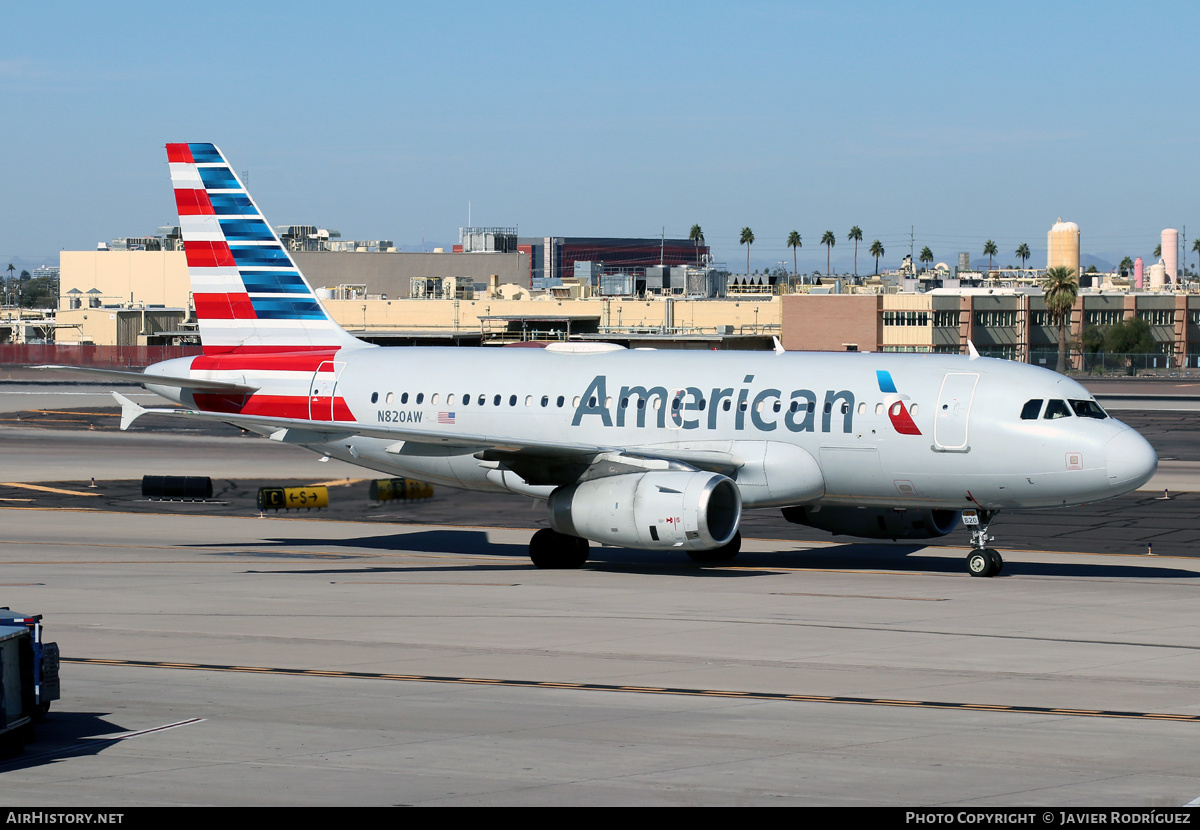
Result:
[{"x": 250, "y": 297}]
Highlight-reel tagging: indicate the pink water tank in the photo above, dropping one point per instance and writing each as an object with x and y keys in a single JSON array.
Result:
[{"x": 1137, "y": 272}]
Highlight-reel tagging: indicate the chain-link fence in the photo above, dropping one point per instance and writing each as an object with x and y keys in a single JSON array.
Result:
[{"x": 1101, "y": 363}]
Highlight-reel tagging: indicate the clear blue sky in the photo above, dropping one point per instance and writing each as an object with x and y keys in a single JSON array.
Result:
[{"x": 382, "y": 120}]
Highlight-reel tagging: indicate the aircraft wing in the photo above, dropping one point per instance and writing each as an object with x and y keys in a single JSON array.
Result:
[
  {"x": 157, "y": 380},
  {"x": 535, "y": 460}
]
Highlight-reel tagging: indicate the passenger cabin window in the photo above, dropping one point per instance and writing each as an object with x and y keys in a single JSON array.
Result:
[
  {"x": 1031, "y": 410},
  {"x": 1088, "y": 409},
  {"x": 1057, "y": 409}
]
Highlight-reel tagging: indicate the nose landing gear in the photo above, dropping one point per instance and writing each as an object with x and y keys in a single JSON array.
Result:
[{"x": 982, "y": 561}]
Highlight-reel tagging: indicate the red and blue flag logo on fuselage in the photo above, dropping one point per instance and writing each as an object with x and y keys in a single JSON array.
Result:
[{"x": 897, "y": 410}]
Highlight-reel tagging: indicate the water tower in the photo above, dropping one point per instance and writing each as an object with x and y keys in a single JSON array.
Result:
[
  {"x": 1170, "y": 253},
  {"x": 1062, "y": 245}
]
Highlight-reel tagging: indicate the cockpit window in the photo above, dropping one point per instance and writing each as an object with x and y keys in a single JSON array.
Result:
[
  {"x": 1030, "y": 411},
  {"x": 1057, "y": 409},
  {"x": 1088, "y": 409}
]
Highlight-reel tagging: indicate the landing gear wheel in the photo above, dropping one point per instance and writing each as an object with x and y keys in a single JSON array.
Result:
[
  {"x": 551, "y": 549},
  {"x": 726, "y": 553},
  {"x": 982, "y": 561},
  {"x": 979, "y": 563}
]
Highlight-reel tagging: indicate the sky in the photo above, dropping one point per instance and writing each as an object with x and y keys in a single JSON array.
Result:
[{"x": 955, "y": 122}]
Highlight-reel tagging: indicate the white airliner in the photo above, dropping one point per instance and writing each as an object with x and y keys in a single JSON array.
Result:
[{"x": 637, "y": 448}]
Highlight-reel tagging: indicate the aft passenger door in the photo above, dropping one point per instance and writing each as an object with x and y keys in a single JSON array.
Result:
[
  {"x": 322, "y": 389},
  {"x": 954, "y": 411}
]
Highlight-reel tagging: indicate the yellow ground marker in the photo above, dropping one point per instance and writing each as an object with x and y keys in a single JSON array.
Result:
[{"x": 42, "y": 489}]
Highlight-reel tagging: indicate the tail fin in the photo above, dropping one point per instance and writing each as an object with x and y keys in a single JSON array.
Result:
[{"x": 250, "y": 297}]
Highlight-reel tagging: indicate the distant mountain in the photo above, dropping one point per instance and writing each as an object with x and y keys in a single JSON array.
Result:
[
  {"x": 1102, "y": 265},
  {"x": 1038, "y": 260},
  {"x": 24, "y": 263}
]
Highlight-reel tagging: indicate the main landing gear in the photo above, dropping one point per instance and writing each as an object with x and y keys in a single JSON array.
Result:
[
  {"x": 983, "y": 561},
  {"x": 551, "y": 549}
]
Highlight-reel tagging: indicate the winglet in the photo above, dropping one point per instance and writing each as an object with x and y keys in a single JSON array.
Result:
[
  {"x": 130, "y": 411},
  {"x": 778, "y": 346},
  {"x": 971, "y": 350}
]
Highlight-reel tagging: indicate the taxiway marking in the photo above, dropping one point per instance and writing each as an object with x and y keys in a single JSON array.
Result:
[{"x": 678, "y": 691}]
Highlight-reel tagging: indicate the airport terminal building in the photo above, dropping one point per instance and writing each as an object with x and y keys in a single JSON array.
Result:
[{"x": 141, "y": 297}]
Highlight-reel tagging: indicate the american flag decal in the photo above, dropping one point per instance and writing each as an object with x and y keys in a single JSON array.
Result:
[{"x": 445, "y": 417}]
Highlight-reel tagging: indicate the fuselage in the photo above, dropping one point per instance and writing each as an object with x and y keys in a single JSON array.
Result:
[{"x": 794, "y": 428}]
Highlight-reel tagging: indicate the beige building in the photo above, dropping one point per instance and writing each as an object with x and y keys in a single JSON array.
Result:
[
  {"x": 390, "y": 272},
  {"x": 98, "y": 278},
  {"x": 1008, "y": 322},
  {"x": 117, "y": 297},
  {"x": 160, "y": 277}
]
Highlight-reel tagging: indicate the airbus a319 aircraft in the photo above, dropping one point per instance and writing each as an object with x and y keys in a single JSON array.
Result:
[{"x": 637, "y": 448}]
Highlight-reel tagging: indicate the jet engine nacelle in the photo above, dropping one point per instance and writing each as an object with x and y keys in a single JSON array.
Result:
[
  {"x": 667, "y": 509},
  {"x": 875, "y": 522}
]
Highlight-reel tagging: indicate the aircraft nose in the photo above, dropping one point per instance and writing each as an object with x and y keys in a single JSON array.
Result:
[{"x": 1130, "y": 460}]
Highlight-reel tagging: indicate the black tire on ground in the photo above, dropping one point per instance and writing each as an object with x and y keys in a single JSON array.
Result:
[
  {"x": 553, "y": 550},
  {"x": 979, "y": 563}
]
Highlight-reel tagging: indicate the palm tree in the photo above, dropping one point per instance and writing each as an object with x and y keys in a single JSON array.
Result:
[
  {"x": 1196, "y": 247},
  {"x": 1127, "y": 264},
  {"x": 747, "y": 240},
  {"x": 855, "y": 236},
  {"x": 1158, "y": 251},
  {"x": 877, "y": 251},
  {"x": 1061, "y": 287},
  {"x": 697, "y": 237},
  {"x": 1023, "y": 253},
  {"x": 828, "y": 240},
  {"x": 794, "y": 242},
  {"x": 926, "y": 256},
  {"x": 990, "y": 249}
]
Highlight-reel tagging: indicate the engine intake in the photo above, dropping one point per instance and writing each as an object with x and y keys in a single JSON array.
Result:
[
  {"x": 689, "y": 510},
  {"x": 875, "y": 522}
]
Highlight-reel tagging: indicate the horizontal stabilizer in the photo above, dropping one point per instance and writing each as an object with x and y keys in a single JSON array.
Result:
[
  {"x": 157, "y": 380},
  {"x": 130, "y": 411}
]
